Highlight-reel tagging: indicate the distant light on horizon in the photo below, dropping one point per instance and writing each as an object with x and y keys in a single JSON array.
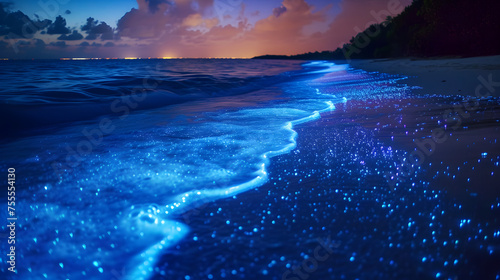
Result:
[
  {"x": 134, "y": 58},
  {"x": 80, "y": 58}
]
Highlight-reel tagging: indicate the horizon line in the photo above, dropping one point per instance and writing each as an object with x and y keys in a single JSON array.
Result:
[{"x": 122, "y": 58}]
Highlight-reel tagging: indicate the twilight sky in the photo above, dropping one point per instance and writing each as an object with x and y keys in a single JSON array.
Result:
[{"x": 183, "y": 28}]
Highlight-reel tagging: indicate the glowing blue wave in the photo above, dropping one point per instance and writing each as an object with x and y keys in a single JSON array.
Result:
[{"x": 114, "y": 212}]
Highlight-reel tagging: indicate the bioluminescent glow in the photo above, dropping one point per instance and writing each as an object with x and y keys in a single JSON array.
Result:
[
  {"x": 117, "y": 206},
  {"x": 157, "y": 172}
]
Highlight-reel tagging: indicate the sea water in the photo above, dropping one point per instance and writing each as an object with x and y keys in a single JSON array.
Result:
[{"x": 110, "y": 154}]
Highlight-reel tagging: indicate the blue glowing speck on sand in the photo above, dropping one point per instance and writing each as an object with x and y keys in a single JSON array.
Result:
[{"x": 115, "y": 211}]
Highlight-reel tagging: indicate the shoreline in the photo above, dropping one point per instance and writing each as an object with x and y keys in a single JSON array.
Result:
[
  {"x": 331, "y": 190},
  {"x": 328, "y": 191}
]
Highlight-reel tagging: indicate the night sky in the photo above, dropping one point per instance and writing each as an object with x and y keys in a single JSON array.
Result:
[{"x": 183, "y": 28}]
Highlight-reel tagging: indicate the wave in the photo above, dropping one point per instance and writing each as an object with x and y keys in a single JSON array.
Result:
[{"x": 78, "y": 92}]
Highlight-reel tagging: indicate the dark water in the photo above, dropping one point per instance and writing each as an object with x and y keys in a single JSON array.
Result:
[{"x": 36, "y": 93}]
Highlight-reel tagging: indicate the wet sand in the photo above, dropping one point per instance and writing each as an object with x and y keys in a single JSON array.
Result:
[{"x": 457, "y": 76}]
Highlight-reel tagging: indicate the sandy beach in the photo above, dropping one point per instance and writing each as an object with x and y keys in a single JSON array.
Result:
[{"x": 457, "y": 76}]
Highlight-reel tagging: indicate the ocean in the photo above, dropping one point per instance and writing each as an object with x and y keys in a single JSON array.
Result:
[{"x": 117, "y": 160}]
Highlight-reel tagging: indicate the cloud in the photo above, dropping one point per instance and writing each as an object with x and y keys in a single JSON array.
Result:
[
  {"x": 197, "y": 22},
  {"x": 289, "y": 20},
  {"x": 60, "y": 44},
  {"x": 31, "y": 42},
  {"x": 21, "y": 48},
  {"x": 154, "y": 5},
  {"x": 283, "y": 32},
  {"x": 72, "y": 37},
  {"x": 23, "y": 43},
  {"x": 58, "y": 27},
  {"x": 225, "y": 33},
  {"x": 91, "y": 23},
  {"x": 96, "y": 30},
  {"x": 84, "y": 44},
  {"x": 109, "y": 44},
  {"x": 166, "y": 17},
  {"x": 17, "y": 24},
  {"x": 141, "y": 24},
  {"x": 278, "y": 11},
  {"x": 39, "y": 43}
]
